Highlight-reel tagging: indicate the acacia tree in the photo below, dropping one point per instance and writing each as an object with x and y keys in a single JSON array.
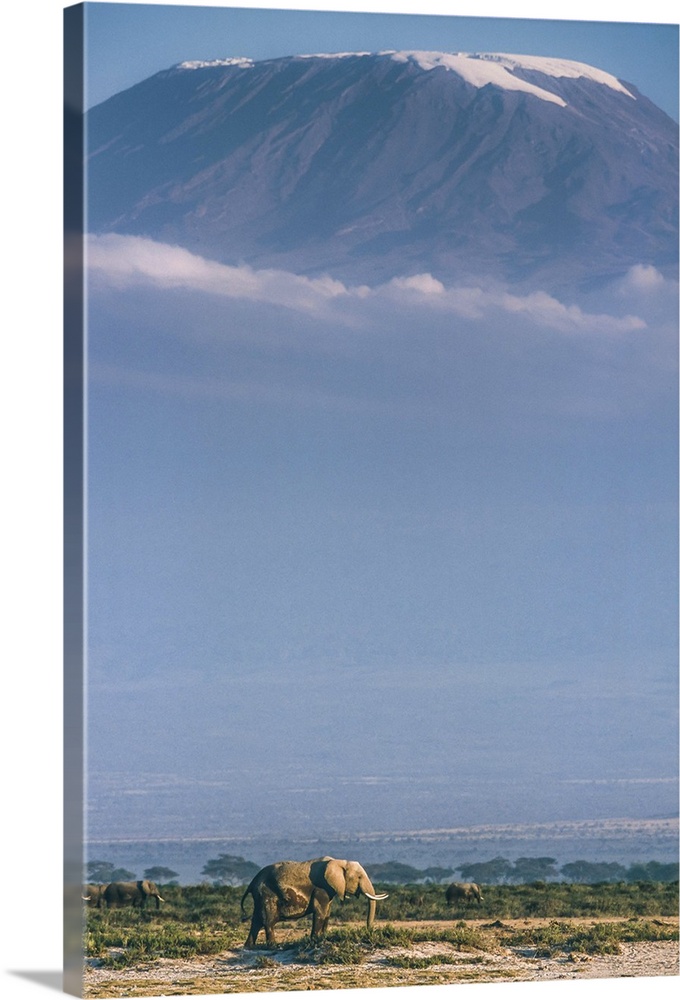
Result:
[
  {"x": 229, "y": 869},
  {"x": 593, "y": 871},
  {"x": 160, "y": 874},
  {"x": 104, "y": 871},
  {"x": 487, "y": 872},
  {"x": 534, "y": 869},
  {"x": 653, "y": 871},
  {"x": 435, "y": 874},
  {"x": 398, "y": 872},
  {"x": 99, "y": 871},
  {"x": 394, "y": 871}
]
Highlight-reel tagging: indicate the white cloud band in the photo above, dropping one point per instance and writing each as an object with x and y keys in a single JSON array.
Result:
[{"x": 126, "y": 261}]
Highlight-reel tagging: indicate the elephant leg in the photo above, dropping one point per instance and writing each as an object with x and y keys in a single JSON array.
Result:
[
  {"x": 321, "y": 906},
  {"x": 256, "y": 925},
  {"x": 270, "y": 915}
]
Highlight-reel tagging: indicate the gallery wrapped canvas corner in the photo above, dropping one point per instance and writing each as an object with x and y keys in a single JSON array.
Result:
[{"x": 371, "y": 499}]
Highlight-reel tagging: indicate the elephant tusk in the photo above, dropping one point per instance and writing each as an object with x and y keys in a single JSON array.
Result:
[{"x": 383, "y": 895}]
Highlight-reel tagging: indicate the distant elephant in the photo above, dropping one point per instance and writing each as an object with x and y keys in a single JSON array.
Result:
[
  {"x": 288, "y": 890},
  {"x": 136, "y": 893},
  {"x": 93, "y": 894},
  {"x": 463, "y": 892}
]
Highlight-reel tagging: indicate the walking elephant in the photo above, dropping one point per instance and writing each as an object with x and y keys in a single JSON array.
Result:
[
  {"x": 463, "y": 892},
  {"x": 287, "y": 890},
  {"x": 136, "y": 893}
]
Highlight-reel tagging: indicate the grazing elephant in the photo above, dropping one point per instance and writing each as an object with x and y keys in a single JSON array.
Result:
[
  {"x": 93, "y": 894},
  {"x": 287, "y": 890},
  {"x": 137, "y": 893},
  {"x": 463, "y": 892}
]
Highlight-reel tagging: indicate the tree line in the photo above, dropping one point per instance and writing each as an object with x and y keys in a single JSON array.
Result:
[
  {"x": 501, "y": 871},
  {"x": 229, "y": 869},
  {"x": 226, "y": 869}
]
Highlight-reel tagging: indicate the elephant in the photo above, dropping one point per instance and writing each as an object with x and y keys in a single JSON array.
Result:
[
  {"x": 287, "y": 890},
  {"x": 463, "y": 892},
  {"x": 93, "y": 894},
  {"x": 137, "y": 893}
]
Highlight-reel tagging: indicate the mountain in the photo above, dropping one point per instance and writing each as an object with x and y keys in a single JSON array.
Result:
[{"x": 374, "y": 165}]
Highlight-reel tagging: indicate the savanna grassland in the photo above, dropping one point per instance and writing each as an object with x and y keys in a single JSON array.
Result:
[{"x": 194, "y": 943}]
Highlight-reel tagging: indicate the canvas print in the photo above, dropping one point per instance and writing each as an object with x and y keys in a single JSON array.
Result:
[{"x": 371, "y": 466}]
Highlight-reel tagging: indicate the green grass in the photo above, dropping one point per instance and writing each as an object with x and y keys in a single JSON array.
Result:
[
  {"x": 544, "y": 899},
  {"x": 204, "y": 920},
  {"x": 350, "y": 945},
  {"x": 124, "y": 937}
]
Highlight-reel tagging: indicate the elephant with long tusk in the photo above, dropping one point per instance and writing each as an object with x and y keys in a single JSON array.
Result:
[{"x": 287, "y": 890}]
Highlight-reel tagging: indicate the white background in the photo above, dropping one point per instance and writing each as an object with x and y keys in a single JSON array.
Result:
[{"x": 31, "y": 492}]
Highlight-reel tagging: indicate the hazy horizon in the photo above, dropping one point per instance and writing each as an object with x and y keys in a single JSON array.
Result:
[{"x": 623, "y": 842}]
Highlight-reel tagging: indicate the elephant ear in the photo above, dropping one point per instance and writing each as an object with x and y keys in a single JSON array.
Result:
[{"x": 335, "y": 876}]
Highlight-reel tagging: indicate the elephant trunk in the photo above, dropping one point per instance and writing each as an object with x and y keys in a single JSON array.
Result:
[
  {"x": 371, "y": 913},
  {"x": 366, "y": 888}
]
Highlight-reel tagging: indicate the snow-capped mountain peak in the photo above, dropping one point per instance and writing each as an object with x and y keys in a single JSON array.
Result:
[
  {"x": 522, "y": 167},
  {"x": 476, "y": 68}
]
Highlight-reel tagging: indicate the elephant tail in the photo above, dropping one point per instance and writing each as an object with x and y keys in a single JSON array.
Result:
[{"x": 244, "y": 915}]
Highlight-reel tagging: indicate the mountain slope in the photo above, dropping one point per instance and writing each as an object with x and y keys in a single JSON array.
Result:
[{"x": 376, "y": 165}]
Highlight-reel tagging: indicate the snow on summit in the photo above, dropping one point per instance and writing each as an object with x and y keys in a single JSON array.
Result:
[
  {"x": 555, "y": 67},
  {"x": 481, "y": 68},
  {"x": 209, "y": 63},
  {"x": 476, "y": 68}
]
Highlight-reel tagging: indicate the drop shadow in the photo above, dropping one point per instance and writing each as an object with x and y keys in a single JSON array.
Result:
[{"x": 50, "y": 980}]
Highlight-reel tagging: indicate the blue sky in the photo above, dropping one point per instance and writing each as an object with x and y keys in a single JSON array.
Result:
[
  {"x": 130, "y": 42},
  {"x": 373, "y": 555}
]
